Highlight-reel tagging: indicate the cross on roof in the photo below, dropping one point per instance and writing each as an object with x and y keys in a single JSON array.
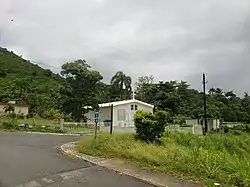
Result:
[{"x": 133, "y": 94}]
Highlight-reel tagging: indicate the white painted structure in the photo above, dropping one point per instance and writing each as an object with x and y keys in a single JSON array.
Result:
[
  {"x": 123, "y": 112},
  {"x": 19, "y": 109}
]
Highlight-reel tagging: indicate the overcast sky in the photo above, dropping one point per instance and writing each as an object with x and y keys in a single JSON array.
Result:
[{"x": 171, "y": 40}]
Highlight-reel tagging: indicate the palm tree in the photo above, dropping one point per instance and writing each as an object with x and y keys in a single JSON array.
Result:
[
  {"x": 230, "y": 94},
  {"x": 219, "y": 91},
  {"x": 212, "y": 91},
  {"x": 119, "y": 81}
]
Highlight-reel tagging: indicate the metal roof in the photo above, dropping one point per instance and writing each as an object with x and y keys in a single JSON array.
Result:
[{"x": 116, "y": 103}]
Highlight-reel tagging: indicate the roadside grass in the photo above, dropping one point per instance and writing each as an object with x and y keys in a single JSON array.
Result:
[
  {"x": 79, "y": 130},
  {"x": 223, "y": 159}
]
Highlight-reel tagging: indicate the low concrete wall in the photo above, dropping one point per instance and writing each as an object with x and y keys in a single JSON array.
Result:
[{"x": 196, "y": 129}]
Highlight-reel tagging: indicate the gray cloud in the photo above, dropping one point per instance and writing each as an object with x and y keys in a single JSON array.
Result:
[{"x": 170, "y": 40}]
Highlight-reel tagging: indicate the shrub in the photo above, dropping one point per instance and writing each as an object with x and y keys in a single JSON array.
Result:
[
  {"x": 12, "y": 115},
  {"x": 150, "y": 127},
  {"x": 52, "y": 114},
  {"x": 10, "y": 124}
]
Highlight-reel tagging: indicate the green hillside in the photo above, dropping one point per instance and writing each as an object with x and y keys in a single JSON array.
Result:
[{"x": 28, "y": 83}]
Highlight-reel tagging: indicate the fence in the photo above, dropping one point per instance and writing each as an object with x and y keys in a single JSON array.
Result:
[
  {"x": 78, "y": 127},
  {"x": 88, "y": 128}
]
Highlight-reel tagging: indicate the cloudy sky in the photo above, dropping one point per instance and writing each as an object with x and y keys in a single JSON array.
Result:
[{"x": 171, "y": 40}]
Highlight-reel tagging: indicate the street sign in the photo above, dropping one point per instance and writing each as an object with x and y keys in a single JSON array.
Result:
[{"x": 96, "y": 115}]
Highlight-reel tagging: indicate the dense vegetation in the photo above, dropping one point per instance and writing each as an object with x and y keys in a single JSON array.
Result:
[
  {"x": 214, "y": 158},
  {"x": 51, "y": 95},
  {"x": 180, "y": 99},
  {"x": 28, "y": 83}
]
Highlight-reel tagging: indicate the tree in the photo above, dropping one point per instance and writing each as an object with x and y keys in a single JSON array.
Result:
[
  {"x": 122, "y": 84},
  {"x": 27, "y": 83},
  {"x": 81, "y": 89},
  {"x": 212, "y": 91},
  {"x": 142, "y": 87},
  {"x": 230, "y": 94},
  {"x": 150, "y": 127}
]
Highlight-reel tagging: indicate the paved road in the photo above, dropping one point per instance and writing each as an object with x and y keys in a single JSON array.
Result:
[{"x": 33, "y": 160}]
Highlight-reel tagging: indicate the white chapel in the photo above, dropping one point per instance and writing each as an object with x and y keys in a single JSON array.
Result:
[{"x": 123, "y": 112}]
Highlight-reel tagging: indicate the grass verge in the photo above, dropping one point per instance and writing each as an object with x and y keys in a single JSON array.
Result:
[
  {"x": 39, "y": 125},
  {"x": 224, "y": 159},
  {"x": 37, "y": 121}
]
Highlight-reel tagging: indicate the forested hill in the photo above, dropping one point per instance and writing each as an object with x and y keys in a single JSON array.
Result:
[
  {"x": 28, "y": 83},
  {"x": 46, "y": 92},
  {"x": 12, "y": 64}
]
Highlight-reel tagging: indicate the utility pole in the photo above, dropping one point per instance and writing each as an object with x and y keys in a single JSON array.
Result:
[{"x": 205, "y": 102}]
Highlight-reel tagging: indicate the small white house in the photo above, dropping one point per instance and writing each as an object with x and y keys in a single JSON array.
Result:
[
  {"x": 123, "y": 112},
  {"x": 20, "y": 109}
]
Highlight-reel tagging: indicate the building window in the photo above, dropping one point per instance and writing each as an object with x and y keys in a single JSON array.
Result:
[
  {"x": 136, "y": 107},
  {"x": 132, "y": 107},
  {"x": 121, "y": 115}
]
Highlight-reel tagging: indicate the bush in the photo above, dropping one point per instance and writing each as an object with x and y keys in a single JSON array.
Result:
[
  {"x": 12, "y": 115},
  {"x": 150, "y": 127},
  {"x": 236, "y": 130},
  {"x": 10, "y": 124},
  {"x": 52, "y": 114}
]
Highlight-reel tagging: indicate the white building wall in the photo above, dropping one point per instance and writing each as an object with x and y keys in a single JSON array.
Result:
[
  {"x": 105, "y": 114},
  {"x": 2, "y": 110},
  {"x": 21, "y": 110},
  {"x": 129, "y": 114}
]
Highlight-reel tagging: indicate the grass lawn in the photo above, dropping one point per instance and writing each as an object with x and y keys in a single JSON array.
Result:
[
  {"x": 79, "y": 130},
  {"x": 224, "y": 159},
  {"x": 37, "y": 121},
  {"x": 51, "y": 124}
]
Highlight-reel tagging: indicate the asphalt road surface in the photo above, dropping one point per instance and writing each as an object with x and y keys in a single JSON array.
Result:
[{"x": 33, "y": 160}]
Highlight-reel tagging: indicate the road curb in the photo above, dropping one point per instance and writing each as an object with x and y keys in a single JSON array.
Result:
[
  {"x": 153, "y": 178},
  {"x": 58, "y": 134}
]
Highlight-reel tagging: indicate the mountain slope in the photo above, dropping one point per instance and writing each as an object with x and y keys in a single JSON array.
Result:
[{"x": 28, "y": 83}]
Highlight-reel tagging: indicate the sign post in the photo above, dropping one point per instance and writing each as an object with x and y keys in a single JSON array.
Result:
[
  {"x": 111, "y": 116},
  {"x": 96, "y": 117}
]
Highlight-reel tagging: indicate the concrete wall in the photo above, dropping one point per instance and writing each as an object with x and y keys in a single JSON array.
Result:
[
  {"x": 129, "y": 114},
  {"x": 213, "y": 124},
  {"x": 192, "y": 121},
  {"x": 196, "y": 129},
  {"x": 2, "y": 110},
  {"x": 21, "y": 110}
]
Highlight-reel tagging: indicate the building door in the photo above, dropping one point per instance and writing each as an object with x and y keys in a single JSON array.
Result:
[{"x": 121, "y": 116}]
